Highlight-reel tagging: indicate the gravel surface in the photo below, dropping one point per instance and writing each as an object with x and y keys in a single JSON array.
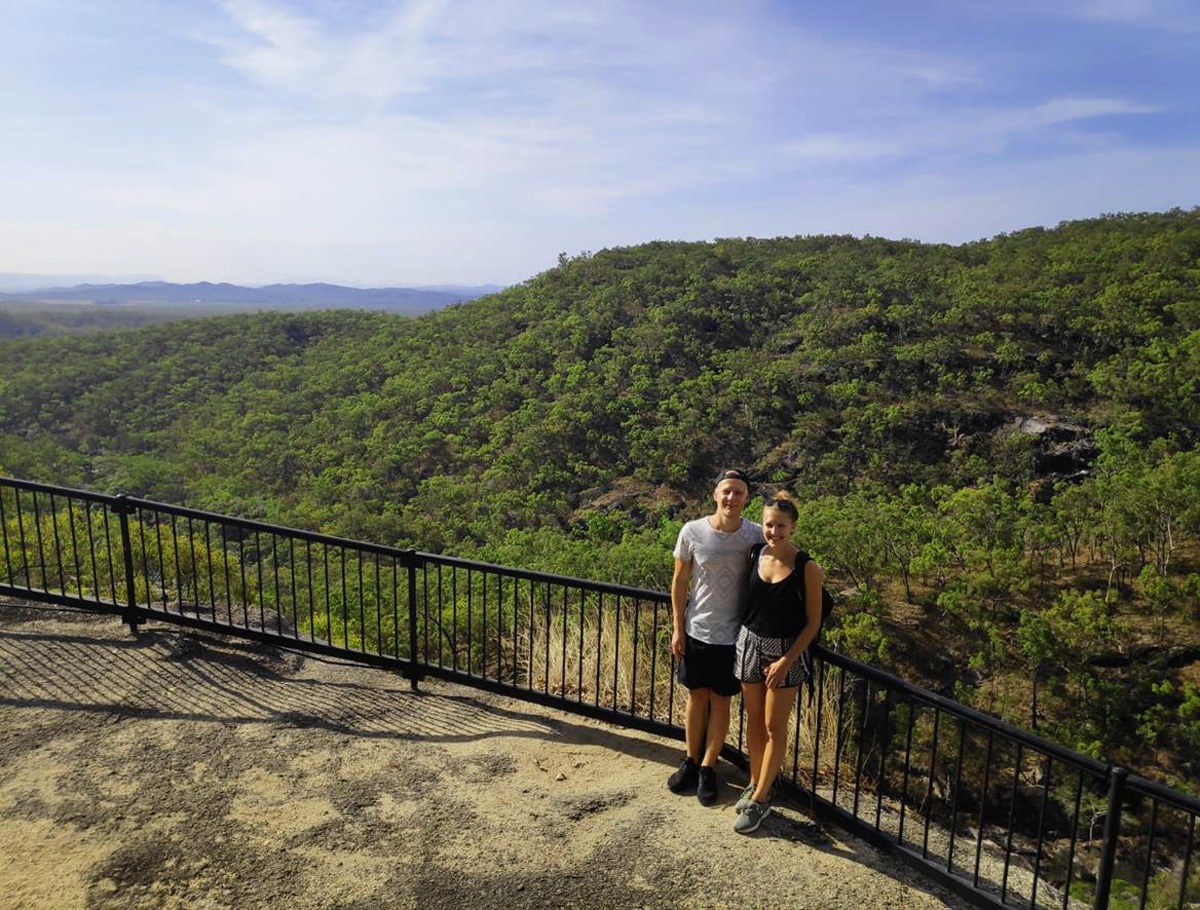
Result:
[{"x": 184, "y": 769}]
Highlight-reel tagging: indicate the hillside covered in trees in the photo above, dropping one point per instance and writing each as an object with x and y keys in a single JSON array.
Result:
[{"x": 996, "y": 442}]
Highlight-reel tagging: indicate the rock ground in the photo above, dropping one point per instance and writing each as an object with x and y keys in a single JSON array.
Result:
[{"x": 183, "y": 769}]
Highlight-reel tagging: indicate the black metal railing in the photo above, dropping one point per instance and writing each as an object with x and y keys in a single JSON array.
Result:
[{"x": 1003, "y": 817}]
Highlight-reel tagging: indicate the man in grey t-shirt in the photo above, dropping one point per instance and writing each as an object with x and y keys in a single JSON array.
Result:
[{"x": 711, "y": 560}]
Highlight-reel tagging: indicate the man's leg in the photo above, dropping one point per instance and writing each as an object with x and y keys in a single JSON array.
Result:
[
  {"x": 718, "y": 728},
  {"x": 696, "y": 722}
]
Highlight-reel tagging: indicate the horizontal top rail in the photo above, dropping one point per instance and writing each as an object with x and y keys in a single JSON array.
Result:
[
  {"x": 1163, "y": 793},
  {"x": 400, "y": 553}
]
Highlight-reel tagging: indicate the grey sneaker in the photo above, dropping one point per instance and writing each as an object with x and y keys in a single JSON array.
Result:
[
  {"x": 745, "y": 799},
  {"x": 706, "y": 786},
  {"x": 749, "y": 819}
]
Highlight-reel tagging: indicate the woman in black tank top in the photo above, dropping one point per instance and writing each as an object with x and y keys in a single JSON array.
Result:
[{"x": 782, "y": 618}]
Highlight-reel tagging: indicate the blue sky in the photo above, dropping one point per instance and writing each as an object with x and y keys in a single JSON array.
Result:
[{"x": 472, "y": 141}]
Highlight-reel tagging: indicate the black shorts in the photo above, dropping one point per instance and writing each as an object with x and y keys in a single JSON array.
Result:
[{"x": 706, "y": 666}]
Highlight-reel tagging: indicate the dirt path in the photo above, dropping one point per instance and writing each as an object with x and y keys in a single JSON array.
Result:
[{"x": 182, "y": 769}]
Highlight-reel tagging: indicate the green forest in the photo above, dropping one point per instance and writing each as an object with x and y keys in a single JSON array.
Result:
[{"x": 995, "y": 442}]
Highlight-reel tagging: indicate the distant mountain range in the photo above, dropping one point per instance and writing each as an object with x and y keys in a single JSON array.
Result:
[{"x": 206, "y": 296}]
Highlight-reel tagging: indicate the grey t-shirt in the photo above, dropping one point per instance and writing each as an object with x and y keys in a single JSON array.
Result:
[{"x": 719, "y": 566}]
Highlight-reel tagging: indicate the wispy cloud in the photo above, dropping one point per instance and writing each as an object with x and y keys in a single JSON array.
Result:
[{"x": 470, "y": 140}]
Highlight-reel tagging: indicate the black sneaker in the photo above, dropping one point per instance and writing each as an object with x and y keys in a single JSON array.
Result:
[
  {"x": 706, "y": 786},
  {"x": 685, "y": 778}
]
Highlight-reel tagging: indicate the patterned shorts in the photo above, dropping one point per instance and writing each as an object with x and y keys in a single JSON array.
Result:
[{"x": 755, "y": 652}]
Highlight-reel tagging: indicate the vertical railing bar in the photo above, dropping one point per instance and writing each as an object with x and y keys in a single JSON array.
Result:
[
  {"x": 4, "y": 536},
  {"x": 345, "y": 598},
  {"x": 566, "y": 608},
  {"x": 108, "y": 553},
  {"x": 799, "y": 715},
  {"x": 818, "y": 723},
  {"x": 379, "y": 602},
  {"x": 212, "y": 581},
  {"x": 262, "y": 587},
  {"x": 328, "y": 599},
  {"x": 162, "y": 559},
  {"x": 410, "y": 578},
  {"x": 362, "y": 606},
  {"x": 912, "y": 719},
  {"x": 516, "y": 622},
  {"x": 1187, "y": 861},
  {"x": 454, "y": 616},
  {"x": 987, "y": 773},
  {"x": 275, "y": 582},
  {"x": 529, "y": 673},
  {"x": 379, "y": 649},
  {"x": 653, "y": 659},
  {"x": 599, "y": 642},
  {"x": 225, "y": 557},
  {"x": 470, "y": 623},
  {"x": 881, "y": 781},
  {"x": 1012, "y": 820},
  {"x": 958, "y": 766},
  {"x": 410, "y": 593},
  {"x": 838, "y": 740},
  {"x": 616, "y": 650},
  {"x": 1149, "y": 853},
  {"x": 87, "y": 512},
  {"x": 637, "y": 605},
  {"x": 58, "y": 557},
  {"x": 74, "y": 548},
  {"x": 547, "y": 625},
  {"x": 41, "y": 551},
  {"x": 860, "y": 758},
  {"x": 928, "y": 814},
  {"x": 579, "y": 663},
  {"x": 178, "y": 566},
  {"x": 311, "y": 593},
  {"x": 1037, "y": 861},
  {"x": 1074, "y": 839},
  {"x": 484, "y": 622},
  {"x": 519, "y": 612},
  {"x": 24, "y": 545},
  {"x": 145, "y": 556},
  {"x": 195, "y": 566},
  {"x": 131, "y": 615},
  {"x": 295, "y": 589},
  {"x": 484, "y": 605},
  {"x": 439, "y": 635},
  {"x": 245, "y": 585},
  {"x": 1112, "y": 831}
]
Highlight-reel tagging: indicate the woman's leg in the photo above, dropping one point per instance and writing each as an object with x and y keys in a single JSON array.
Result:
[
  {"x": 778, "y": 708},
  {"x": 754, "y": 696}
]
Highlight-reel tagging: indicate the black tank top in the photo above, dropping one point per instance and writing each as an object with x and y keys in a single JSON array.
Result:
[{"x": 775, "y": 609}]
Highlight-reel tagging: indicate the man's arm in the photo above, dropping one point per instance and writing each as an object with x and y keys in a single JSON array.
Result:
[{"x": 680, "y": 580}]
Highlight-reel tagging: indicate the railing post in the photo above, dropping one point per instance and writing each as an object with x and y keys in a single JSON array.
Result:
[
  {"x": 132, "y": 615},
  {"x": 414, "y": 672},
  {"x": 1112, "y": 829}
]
